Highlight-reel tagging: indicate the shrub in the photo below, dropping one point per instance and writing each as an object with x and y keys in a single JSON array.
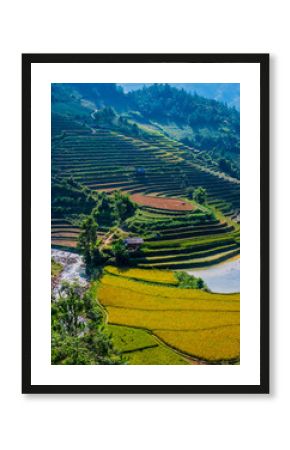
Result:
[
  {"x": 200, "y": 195},
  {"x": 121, "y": 253},
  {"x": 189, "y": 281},
  {"x": 189, "y": 192}
]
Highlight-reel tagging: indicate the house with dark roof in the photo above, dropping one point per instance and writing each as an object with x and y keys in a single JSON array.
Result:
[{"x": 133, "y": 243}]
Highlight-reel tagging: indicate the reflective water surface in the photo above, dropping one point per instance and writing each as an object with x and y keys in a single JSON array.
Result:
[{"x": 223, "y": 278}]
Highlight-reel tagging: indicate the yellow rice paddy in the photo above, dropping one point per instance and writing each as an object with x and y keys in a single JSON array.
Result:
[
  {"x": 191, "y": 321},
  {"x": 153, "y": 275}
]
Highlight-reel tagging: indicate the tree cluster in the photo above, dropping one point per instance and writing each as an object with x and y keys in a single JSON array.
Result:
[
  {"x": 110, "y": 211},
  {"x": 229, "y": 168},
  {"x": 198, "y": 194},
  {"x": 77, "y": 327},
  {"x": 108, "y": 118},
  {"x": 69, "y": 197},
  {"x": 215, "y": 125},
  {"x": 187, "y": 281}
]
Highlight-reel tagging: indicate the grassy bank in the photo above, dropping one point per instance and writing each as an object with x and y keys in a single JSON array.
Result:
[{"x": 56, "y": 268}]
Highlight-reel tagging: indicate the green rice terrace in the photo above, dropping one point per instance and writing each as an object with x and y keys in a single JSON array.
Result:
[
  {"x": 136, "y": 215},
  {"x": 104, "y": 160}
]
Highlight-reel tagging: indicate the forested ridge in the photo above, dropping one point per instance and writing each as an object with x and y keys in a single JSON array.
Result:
[{"x": 205, "y": 124}]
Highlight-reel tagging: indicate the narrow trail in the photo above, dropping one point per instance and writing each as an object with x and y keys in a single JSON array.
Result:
[
  {"x": 93, "y": 114},
  {"x": 107, "y": 240},
  {"x": 93, "y": 130}
]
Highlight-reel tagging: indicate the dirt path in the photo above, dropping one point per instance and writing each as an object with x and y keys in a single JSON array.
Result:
[{"x": 107, "y": 240}]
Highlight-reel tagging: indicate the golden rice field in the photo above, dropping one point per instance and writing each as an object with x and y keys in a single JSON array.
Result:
[
  {"x": 172, "y": 320},
  {"x": 153, "y": 275},
  {"x": 193, "y": 322},
  {"x": 222, "y": 341}
]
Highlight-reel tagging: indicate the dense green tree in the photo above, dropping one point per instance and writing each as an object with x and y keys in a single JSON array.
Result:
[
  {"x": 111, "y": 211},
  {"x": 104, "y": 213},
  {"x": 121, "y": 253},
  {"x": 215, "y": 126},
  {"x": 187, "y": 281},
  {"x": 78, "y": 335},
  {"x": 88, "y": 239},
  {"x": 105, "y": 117},
  {"x": 200, "y": 195},
  {"x": 89, "y": 244},
  {"x": 124, "y": 206},
  {"x": 70, "y": 198},
  {"x": 189, "y": 192},
  {"x": 227, "y": 166}
]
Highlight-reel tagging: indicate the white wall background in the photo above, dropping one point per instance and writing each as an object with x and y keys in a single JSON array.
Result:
[{"x": 152, "y": 422}]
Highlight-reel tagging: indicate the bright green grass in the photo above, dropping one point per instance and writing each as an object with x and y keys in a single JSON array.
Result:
[
  {"x": 156, "y": 356},
  {"x": 183, "y": 243},
  {"x": 56, "y": 268},
  {"x": 141, "y": 348},
  {"x": 127, "y": 339}
]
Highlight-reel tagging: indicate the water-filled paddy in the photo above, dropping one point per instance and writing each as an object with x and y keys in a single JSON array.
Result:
[{"x": 223, "y": 278}]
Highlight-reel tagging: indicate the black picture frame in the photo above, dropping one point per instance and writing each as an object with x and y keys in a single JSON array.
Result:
[{"x": 27, "y": 61}]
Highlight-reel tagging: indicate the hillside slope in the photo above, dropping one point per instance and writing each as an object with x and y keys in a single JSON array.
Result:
[
  {"x": 202, "y": 123},
  {"x": 154, "y": 166}
]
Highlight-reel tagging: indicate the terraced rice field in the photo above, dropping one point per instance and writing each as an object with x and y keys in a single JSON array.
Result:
[
  {"x": 151, "y": 319},
  {"x": 154, "y": 276},
  {"x": 141, "y": 348},
  {"x": 64, "y": 234},
  {"x": 185, "y": 240},
  {"x": 196, "y": 324},
  {"x": 108, "y": 160}
]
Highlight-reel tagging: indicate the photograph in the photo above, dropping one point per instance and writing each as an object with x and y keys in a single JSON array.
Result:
[{"x": 145, "y": 223}]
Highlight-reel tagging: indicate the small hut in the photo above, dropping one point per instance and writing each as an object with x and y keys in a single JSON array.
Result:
[{"x": 133, "y": 243}]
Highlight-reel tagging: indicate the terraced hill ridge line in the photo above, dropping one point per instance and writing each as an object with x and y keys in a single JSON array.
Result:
[{"x": 196, "y": 323}]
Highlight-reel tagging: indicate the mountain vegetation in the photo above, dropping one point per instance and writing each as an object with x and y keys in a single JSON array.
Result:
[
  {"x": 228, "y": 93},
  {"x": 212, "y": 126}
]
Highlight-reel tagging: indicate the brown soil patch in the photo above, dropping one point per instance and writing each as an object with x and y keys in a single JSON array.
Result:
[
  {"x": 64, "y": 234},
  {"x": 162, "y": 203},
  {"x": 64, "y": 243}
]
